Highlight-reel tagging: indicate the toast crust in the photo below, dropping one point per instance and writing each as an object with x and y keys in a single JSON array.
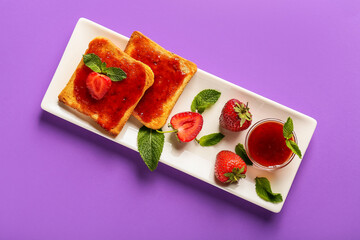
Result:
[
  {"x": 112, "y": 111},
  {"x": 172, "y": 73}
]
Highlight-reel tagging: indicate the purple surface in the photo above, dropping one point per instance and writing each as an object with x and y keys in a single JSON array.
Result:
[{"x": 58, "y": 181}]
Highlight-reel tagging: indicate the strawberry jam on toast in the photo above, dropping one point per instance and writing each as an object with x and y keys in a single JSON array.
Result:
[
  {"x": 172, "y": 73},
  {"x": 113, "y": 110}
]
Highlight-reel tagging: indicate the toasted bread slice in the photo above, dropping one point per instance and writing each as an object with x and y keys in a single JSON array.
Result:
[
  {"x": 114, "y": 109},
  {"x": 172, "y": 74}
]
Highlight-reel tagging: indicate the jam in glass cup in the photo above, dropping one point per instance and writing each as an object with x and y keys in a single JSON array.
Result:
[{"x": 265, "y": 144}]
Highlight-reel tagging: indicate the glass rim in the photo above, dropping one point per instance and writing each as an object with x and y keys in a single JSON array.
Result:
[{"x": 258, "y": 165}]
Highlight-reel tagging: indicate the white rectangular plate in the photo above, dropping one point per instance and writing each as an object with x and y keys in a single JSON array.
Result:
[{"x": 190, "y": 158}]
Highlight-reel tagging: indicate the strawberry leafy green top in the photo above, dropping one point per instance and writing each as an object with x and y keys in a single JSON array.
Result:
[
  {"x": 243, "y": 111},
  {"x": 235, "y": 175},
  {"x": 93, "y": 62}
]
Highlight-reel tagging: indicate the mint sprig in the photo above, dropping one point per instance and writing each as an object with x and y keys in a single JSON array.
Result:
[
  {"x": 240, "y": 150},
  {"x": 93, "y": 62},
  {"x": 263, "y": 190},
  {"x": 115, "y": 74},
  {"x": 288, "y": 128},
  {"x": 294, "y": 147},
  {"x": 204, "y": 99},
  {"x": 150, "y": 146},
  {"x": 210, "y": 139},
  {"x": 288, "y": 134}
]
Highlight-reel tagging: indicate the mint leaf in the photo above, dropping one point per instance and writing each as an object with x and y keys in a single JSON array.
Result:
[
  {"x": 93, "y": 62},
  {"x": 211, "y": 139},
  {"x": 240, "y": 150},
  {"x": 150, "y": 146},
  {"x": 103, "y": 67},
  {"x": 205, "y": 99},
  {"x": 263, "y": 190},
  {"x": 293, "y": 147},
  {"x": 288, "y": 134},
  {"x": 288, "y": 128},
  {"x": 115, "y": 74}
]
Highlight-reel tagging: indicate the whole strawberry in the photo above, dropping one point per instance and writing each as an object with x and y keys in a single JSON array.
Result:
[
  {"x": 229, "y": 167},
  {"x": 235, "y": 116}
]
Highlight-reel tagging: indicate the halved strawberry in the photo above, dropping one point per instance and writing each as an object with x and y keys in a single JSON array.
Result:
[
  {"x": 235, "y": 116},
  {"x": 187, "y": 125},
  {"x": 229, "y": 167},
  {"x": 98, "y": 85}
]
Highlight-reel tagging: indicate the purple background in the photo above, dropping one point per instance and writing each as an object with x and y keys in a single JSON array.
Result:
[{"x": 58, "y": 181}]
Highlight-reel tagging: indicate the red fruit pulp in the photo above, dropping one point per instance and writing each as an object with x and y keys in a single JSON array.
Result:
[
  {"x": 266, "y": 144},
  {"x": 98, "y": 85},
  {"x": 187, "y": 124}
]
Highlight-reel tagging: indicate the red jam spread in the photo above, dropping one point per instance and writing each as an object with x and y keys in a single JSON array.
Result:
[
  {"x": 121, "y": 95},
  {"x": 167, "y": 79},
  {"x": 266, "y": 144}
]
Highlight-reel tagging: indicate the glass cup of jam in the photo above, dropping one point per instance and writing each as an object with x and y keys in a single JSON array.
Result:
[{"x": 265, "y": 144}]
